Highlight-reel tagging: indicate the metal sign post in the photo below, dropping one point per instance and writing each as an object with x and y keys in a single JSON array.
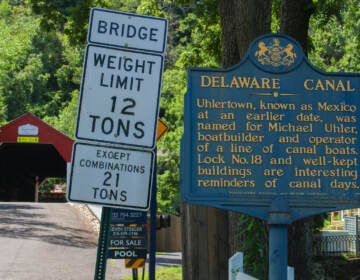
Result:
[
  {"x": 100, "y": 268},
  {"x": 279, "y": 219},
  {"x": 153, "y": 210}
]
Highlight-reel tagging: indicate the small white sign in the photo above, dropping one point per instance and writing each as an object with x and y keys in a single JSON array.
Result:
[
  {"x": 120, "y": 95},
  {"x": 236, "y": 264},
  {"x": 109, "y": 176},
  {"x": 28, "y": 129},
  {"x": 244, "y": 276},
  {"x": 125, "y": 30}
]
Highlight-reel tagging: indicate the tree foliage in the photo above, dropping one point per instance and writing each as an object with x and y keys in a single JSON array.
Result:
[{"x": 42, "y": 43}]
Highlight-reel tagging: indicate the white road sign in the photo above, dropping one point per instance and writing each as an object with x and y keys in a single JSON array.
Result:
[
  {"x": 109, "y": 176},
  {"x": 120, "y": 95},
  {"x": 125, "y": 30}
]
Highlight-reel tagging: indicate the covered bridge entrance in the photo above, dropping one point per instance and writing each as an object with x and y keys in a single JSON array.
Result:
[{"x": 30, "y": 151}]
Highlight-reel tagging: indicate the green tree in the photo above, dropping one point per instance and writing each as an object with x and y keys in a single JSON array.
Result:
[
  {"x": 16, "y": 31},
  {"x": 68, "y": 16}
]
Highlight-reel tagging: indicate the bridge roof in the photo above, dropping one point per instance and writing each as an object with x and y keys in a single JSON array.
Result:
[{"x": 29, "y": 129}]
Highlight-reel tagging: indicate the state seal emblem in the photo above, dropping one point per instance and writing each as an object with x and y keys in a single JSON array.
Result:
[{"x": 274, "y": 54}]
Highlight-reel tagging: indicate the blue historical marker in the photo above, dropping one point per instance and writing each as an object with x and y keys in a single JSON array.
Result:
[{"x": 272, "y": 137}]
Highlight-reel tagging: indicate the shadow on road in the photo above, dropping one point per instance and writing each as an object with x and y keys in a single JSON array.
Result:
[{"x": 17, "y": 222}]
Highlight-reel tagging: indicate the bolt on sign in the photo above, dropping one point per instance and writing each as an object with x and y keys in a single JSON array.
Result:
[{"x": 271, "y": 126}]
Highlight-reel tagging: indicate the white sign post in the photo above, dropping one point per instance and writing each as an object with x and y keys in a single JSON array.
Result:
[
  {"x": 109, "y": 176},
  {"x": 120, "y": 95}
]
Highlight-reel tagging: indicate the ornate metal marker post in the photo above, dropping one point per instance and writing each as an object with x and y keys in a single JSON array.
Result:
[{"x": 279, "y": 219}]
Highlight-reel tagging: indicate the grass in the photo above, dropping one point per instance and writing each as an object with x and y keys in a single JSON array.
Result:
[{"x": 169, "y": 273}]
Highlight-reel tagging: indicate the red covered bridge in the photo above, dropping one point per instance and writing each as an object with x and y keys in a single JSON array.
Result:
[{"x": 30, "y": 151}]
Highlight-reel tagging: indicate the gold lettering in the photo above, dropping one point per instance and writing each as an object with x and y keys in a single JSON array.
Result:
[
  {"x": 223, "y": 85},
  {"x": 265, "y": 83},
  {"x": 276, "y": 83},
  {"x": 340, "y": 85},
  {"x": 307, "y": 86},
  {"x": 215, "y": 81},
  {"x": 330, "y": 84},
  {"x": 203, "y": 81},
  {"x": 319, "y": 85},
  {"x": 349, "y": 86},
  {"x": 254, "y": 83},
  {"x": 244, "y": 82},
  {"x": 234, "y": 82}
]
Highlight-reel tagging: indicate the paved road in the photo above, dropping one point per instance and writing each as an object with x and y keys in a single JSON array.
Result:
[
  {"x": 52, "y": 241},
  {"x": 45, "y": 241}
]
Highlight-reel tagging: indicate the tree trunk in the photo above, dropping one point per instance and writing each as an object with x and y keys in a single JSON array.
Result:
[
  {"x": 241, "y": 22},
  {"x": 205, "y": 245},
  {"x": 295, "y": 16}
]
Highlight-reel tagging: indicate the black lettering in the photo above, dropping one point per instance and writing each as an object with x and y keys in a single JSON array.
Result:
[
  {"x": 123, "y": 195},
  {"x": 153, "y": 34},
  {"x": 121, "y": 83},
  {"x": 102, "y": 81},
  {"x": 114, "y": 26},
  {"x": 110, "y": 126},
  {"x": 102, "y": 26},
  {"x": 151, "y": 63},
  {"x": 126, "y": 110},
  {"x": 107, "y": 178},
  {"x": 142, "y": 66},
  {"x": 113, "y": 195},
  {"x": 95, "y": 192},
  {"x": 103, "y": 194},
  {"x": 121, "y": 127},
  {"x": 139, "y": 129},
  {"x": 130, "y": 29},
  {"x": 94, "y": 122},
  {"x": 139, "y": 83},
  {"x": 111, "y": 61},
  {"x": 99, "y": 58},
  {"x": 128, "y": 67},
  {"x": 142, "y": 35}
]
